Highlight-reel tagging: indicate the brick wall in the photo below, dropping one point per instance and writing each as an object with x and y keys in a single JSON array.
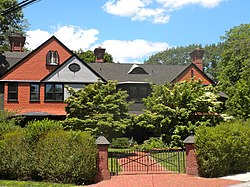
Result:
[
  {"x": 187, "y": 75},
  {"x": 25, "y": 105}
]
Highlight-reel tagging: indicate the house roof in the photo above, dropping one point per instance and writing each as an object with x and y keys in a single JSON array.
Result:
[
  {"x": 13, "y": 57},
  {"x": 19, "y": 57},
  {"x": 157, "y": 74}
]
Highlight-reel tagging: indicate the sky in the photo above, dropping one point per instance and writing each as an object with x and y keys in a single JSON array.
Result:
[{"x": 133, "y": 30}]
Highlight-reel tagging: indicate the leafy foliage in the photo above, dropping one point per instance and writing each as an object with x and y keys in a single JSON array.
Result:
[
  {"x": 15, "y": 160},
  {"x": 39, "y": 129},
  {"x": 43, "y": 151},
  {"x": 153, "y": 143},
  {"x": 234, "y": 71},
  {"x": 224, "y": 149},
  {"x": 174, "y": 110},
  {"x": 120, "y": 143},
  {"x": 98, "y": 108},
  {"x": 89, "y": 56},
  {"x": 68, "y": 157},
  {"x": 180, "y": 56}
]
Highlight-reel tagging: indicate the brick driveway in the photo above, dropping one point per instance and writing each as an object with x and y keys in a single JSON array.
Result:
[{"x": 163, "y": 180}]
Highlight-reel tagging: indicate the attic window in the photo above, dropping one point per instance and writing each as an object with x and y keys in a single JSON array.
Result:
[
  {"x": 52, "y": 58},
  {"x": 135, "y": 69}
]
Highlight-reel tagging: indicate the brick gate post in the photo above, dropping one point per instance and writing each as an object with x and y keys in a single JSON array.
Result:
[
  {"x": 191, "y": 159},
  {"x": 103, "y": 172}
]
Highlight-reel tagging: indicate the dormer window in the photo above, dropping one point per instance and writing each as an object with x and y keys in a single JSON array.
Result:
[
  {"x": 135, "y": 69},
  {"x": 52, "y": 58},
  {"x": 138, "y": 70}
]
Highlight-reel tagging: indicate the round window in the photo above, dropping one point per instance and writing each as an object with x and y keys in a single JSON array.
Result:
[{"x": 74, "y": 67}]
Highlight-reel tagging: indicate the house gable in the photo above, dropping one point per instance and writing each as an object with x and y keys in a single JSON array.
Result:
[
  {"x": 73, "y": 70},
  {"x": 192, "y": 72},
  {"x": 33, "y": 66}
]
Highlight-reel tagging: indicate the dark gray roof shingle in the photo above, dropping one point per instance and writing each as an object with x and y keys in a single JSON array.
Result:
[{"x": 158, "y": 74}]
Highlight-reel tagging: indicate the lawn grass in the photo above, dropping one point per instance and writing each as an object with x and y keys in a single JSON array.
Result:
[
  {"x": 171, "y": 161},
  {"x": 12, "y": 183}
]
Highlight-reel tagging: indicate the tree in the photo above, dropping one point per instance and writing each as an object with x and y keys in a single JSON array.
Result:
[
  {"x": 234, "y": 70},
  {"x": 98, "y": 108},
  {"x": 172, "y": 111},
  {"x": 174, "y": 56},
  {"x": 89, "y": 56},
  {"x": 13, "y": 22}
]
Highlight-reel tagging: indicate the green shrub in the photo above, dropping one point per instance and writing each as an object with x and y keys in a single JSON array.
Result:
[
  {"x": 68, "y": 157},
  {"x": 120, "y": 143},
  {"x": 14, "y": 160},
  {"x": 37, "y": 129},
  {"x": 153, "y": 143},
  {"x": 6, "y": 127},
  {"x": 224, "y": 149}
]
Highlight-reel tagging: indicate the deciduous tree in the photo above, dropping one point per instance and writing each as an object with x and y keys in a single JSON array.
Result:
[
  {"x": 173, "y": 110},
  {"x": 234, "y": 70},
  {"x": 98, "y": 108}
]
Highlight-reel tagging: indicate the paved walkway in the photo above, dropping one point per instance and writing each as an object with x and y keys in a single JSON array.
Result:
[{"x": 164, "y": 180}]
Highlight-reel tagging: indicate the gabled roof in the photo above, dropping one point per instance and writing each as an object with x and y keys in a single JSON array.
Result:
[
  {"x": 158, "y": 74},
  {"x": 20, "y": 60},
  {"x": 85, "y": 73},
  {"x": 197, "y": 69}
]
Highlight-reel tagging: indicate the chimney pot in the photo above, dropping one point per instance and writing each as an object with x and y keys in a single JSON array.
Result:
[
  {"x": 197, "y": 56},
  {"x": 17, "y": 42}
]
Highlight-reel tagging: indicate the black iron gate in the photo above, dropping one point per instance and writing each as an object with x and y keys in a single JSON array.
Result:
[{"x": 147, "y": 161}]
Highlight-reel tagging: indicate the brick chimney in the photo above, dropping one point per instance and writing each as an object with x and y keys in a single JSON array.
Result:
[
  {"x": 99, "y": 54},
  {"x": 197, "y": 56},
  {"x": 17, "y": 42}
]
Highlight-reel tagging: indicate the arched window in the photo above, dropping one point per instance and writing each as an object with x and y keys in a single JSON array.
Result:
[
  {"x": 138, "y": 70},
  {"x": 52, "y": 58}
]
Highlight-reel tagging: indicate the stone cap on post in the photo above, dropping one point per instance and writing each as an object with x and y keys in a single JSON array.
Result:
[
  {"x": 101, "y": 140},
  {"x": 189, "y": 140}
]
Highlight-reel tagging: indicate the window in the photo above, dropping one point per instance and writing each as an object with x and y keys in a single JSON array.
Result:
[
  {"x": 12, "y": 92},
  {"x": 34, "y": 92},
  {"x": 52, "y": 58},
  {"x": 192, "y": 73},
  {"x": 53, "y": 92},
  {"x": 138, "y": 70},
  {"x": 137, "y": 92}
]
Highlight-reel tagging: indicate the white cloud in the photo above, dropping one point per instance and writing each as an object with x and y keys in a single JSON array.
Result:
[
  {"x": 73, "y": 37},
  {"x": 176, "y": 4},
  {"x": 156, "y": 11},
  {"x": 76, "y": 38},
  {"x": 132, "y": 51}
]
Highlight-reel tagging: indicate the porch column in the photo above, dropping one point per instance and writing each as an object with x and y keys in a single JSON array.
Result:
[
  {"x": 103, "y": 172},
  {"x": 191, "y": 160}
]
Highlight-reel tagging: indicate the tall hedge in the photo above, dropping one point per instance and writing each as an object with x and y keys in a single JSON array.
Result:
[
  {"x": 224, "y": 149},
  {"x": 68, "y": 157},
  {"x": 44, "y": 151},
  {"x": 15, "y": 161}
]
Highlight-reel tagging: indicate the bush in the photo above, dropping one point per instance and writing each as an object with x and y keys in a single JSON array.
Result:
[
  {"x": 68, "y": 157},
  {"x": 6, "y": 127},
  {"x": 120, "y": 143},
  {"x": 38, "y": 129},
  {"x": 15, "y": 159},
  {"x": 153, "y": 143},
  {"x": 224, "y": 149}
]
